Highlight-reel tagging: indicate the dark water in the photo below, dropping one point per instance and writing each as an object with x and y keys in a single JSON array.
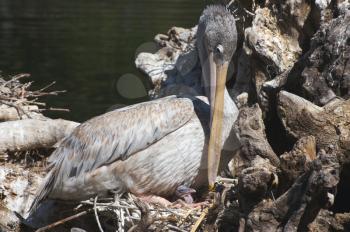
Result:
[{"x": 87, "y": 46}]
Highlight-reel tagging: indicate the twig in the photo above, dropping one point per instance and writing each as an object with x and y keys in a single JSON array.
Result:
[
  {"x": 58, "y": 109},
  {"x": 175, "y": 228},
  {"x": 60, "y": 222},
  {"x": 46, "y": 87},
  {"x": 199, "y": 221},
  {"x": 15, "y": 78},
  {"x": 185, "y": 217},
  {"x": 248, "y": 12},
  {"x": 96, "y": 215},
  {"x": 229, "y": 4}
]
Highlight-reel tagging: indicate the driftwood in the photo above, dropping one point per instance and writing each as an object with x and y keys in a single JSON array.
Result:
[
  {"x": 8, "y": 113},
  {"x": 174, "y": 68},
  {"x": 23, "y": 125},
  {"x": 299, "y": 206},
  {"x": 329, "y": 124},
  {"x": 30, "y": 134},
  {"x": 256, "y": 163},
  {"x": 251, "y": 130},
  {"x": 24, "y": 131},
  {"x": 327, "y": 73},
  {"x": 328, "y": 221},
  {"x": 295, "y": 162}
]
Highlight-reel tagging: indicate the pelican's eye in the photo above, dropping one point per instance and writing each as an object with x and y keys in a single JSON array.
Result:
[{"x": 220, "y": 49}]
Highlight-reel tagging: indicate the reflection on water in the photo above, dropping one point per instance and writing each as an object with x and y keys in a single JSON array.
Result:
[{"x": 88, "y": 47}]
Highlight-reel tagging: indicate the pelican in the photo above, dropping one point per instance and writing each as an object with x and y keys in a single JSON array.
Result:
[{"x": 155, "y": 147}]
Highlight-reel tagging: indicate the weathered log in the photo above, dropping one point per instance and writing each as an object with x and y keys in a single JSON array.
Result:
[
  {"x": 30, "y": 134},
  {"x": 256, "y": 183},
  {"x": 272, "y": 50},
  {"x": 329, "y": 124},
  {"x": 322, "y": 73},
  {"x": 24, "y": 112},
  {"x": 295, "y": 163},
  {"x": 328, "y": 221},
  {"x": 18, "y": 184},
  {"x": 256, "y": 162},
  {"x": 8, "y": 220},
  {"x": 276, "y": 49},
  {"x": 251, "y": 130},
  {"x": 173, "y": 69},
  {"x": 327, "y": 71},
  {"x": 243, "y": 78},
  {"x": 299, "y": 206}
]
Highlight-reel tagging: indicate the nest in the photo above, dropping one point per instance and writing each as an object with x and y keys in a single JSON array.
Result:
[{"x": 130, "y": 213}]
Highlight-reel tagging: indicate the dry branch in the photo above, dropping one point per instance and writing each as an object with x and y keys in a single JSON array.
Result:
[{"x": 17, "y": 101}]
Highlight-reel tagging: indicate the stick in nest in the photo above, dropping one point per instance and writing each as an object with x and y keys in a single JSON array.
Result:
[{"x": 96, "y": 215}]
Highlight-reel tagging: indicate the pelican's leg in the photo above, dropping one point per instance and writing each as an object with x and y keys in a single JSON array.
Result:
[{"x": 183, "y": 198}]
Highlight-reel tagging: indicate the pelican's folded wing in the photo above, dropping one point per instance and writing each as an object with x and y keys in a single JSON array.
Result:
[
  {"x": 113, "y": 136},
  {"x": 120, "y": 133}
]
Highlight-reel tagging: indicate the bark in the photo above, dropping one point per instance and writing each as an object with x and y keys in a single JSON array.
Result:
[
  {"x": 299, "y": 206},
  {"x": 328, "y": 221},
  {"x": 295, "y": 162},
  {"x": 256, "y": 162},
  {"x": 30, "y": 134},
  {"x": 251, "y": 130},
  {"x": 327, "y": 70},
  {"x": 276, "y": 49},
  {"x": 328, "y": 124}
]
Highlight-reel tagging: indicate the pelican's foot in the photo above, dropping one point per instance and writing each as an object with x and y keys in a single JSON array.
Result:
[
  {"x": 183, "y": 196},
  {"x": 182, "y": 204},
  {"x": 156, "y": 200}
]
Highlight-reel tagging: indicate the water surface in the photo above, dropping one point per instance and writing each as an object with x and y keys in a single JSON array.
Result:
[{"x": 87, "y": 46}]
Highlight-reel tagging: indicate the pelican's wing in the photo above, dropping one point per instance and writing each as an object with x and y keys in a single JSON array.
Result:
[
  {"x": 115, "y": 135},
  {"x": 120, "y": 133}
]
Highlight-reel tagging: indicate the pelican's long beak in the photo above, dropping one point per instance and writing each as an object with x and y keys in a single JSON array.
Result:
[{"x": 218, "y": 73}]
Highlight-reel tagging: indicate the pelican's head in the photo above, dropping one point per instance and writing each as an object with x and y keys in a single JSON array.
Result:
[{"x": 216, "y": 43}]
